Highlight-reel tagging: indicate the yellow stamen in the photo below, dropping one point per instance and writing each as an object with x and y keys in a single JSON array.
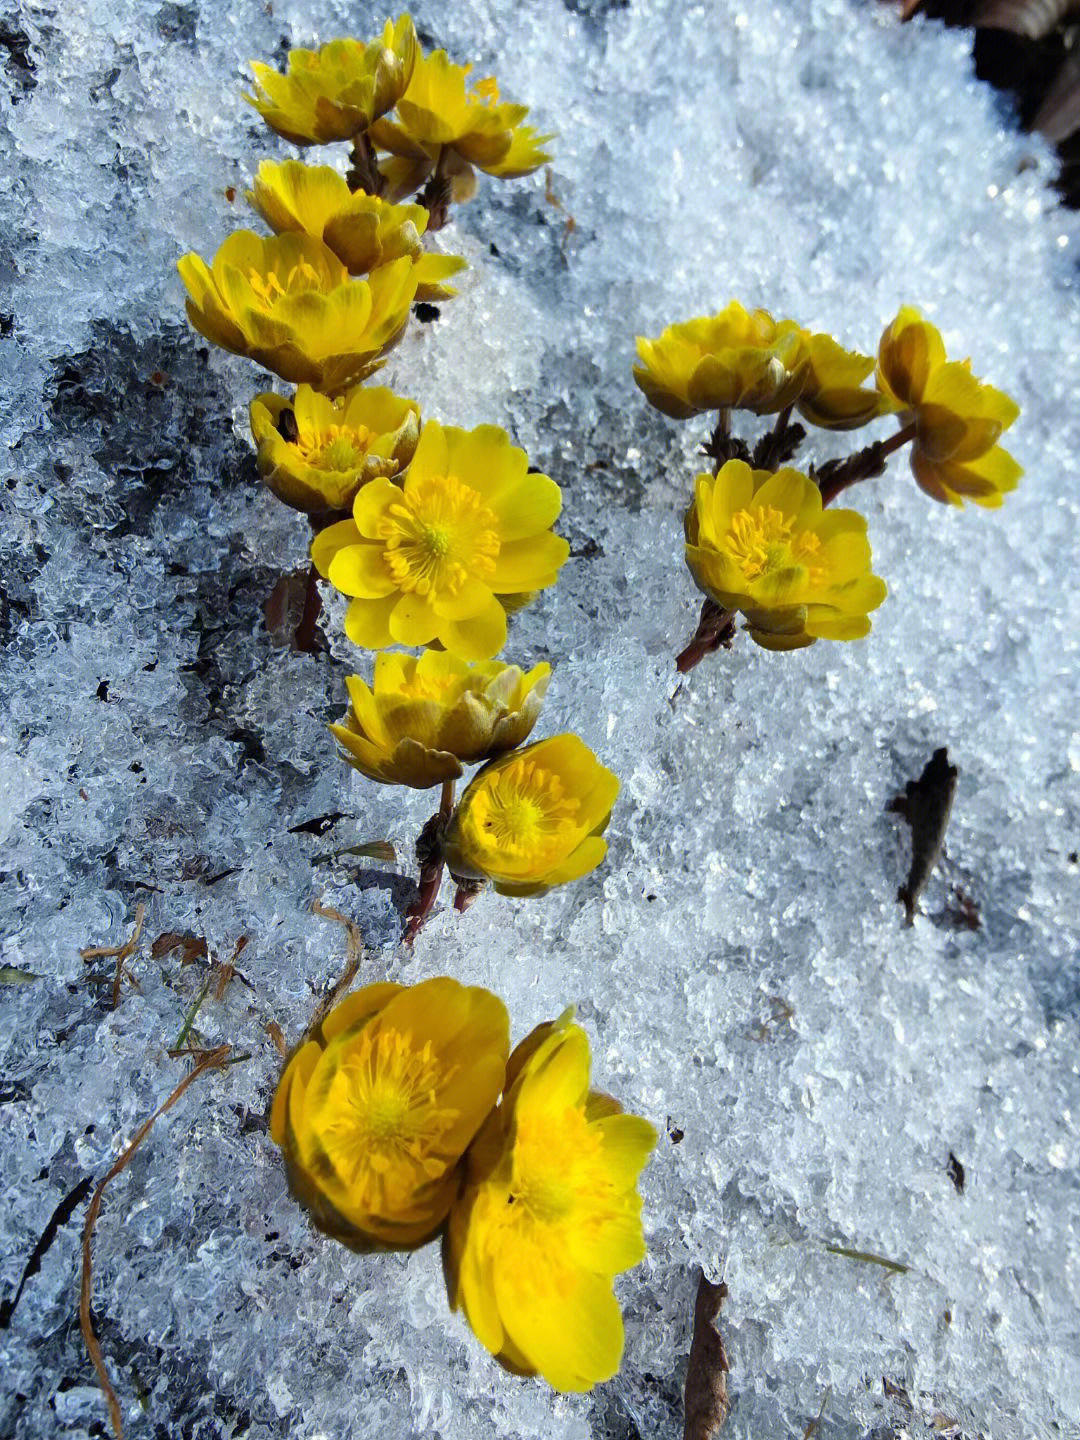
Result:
[
  {"x": 438, "y": 536},
  {"x": 384, "y": 1123},
  {"x": 338, "y": 447},
  {"x": 760, "y": 541},
  {"x": 526, "y": 810},
  {"x": 270, "y": 289},
  {"x": 487, "y": 90}
]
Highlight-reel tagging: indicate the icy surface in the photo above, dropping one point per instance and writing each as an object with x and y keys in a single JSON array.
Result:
[{"x": 740, "y": 961}]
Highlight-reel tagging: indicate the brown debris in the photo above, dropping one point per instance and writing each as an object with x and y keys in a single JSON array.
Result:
[
  {"x": 1033, "y": 19},
  {"x": 277, "y": 1036},
  {"x": 1058, "y": 116},
  {"x": 706, "y": 1403},
  {"x": 354, "y": 942},
  {"x": 815, "y": 1424},
  {"x": 1029, "y": 48},
  {"x": 212, "y": 1060},
  {"x": 120, "y": 953},
  {"x": 192, "y": 947},
  {"x": 926, "y": 805}
]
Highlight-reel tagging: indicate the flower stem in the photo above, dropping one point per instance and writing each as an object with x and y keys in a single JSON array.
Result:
[
  {"x": 839, "y": 475},
  {"x": 363, "y": 172},
  {"x": 435, "y": 196},
  {"x": 429, "y": 854},
  {"x": 716, "y": 629},
  {"x": 722, "y": 445}
]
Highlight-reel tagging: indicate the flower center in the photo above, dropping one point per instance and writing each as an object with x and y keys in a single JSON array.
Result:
[
  {"x": 438, "y": 536},
  {"x": 381, "y": 1121},
  {"x": 526, "y": 811},
  {"x": 557, "y": 1167},
  {"x": 270, "y": 288},
  {"x": 487, "y": 90},
  {"x": 338, "y": 447},
  {"x": 760, "y": 542}
]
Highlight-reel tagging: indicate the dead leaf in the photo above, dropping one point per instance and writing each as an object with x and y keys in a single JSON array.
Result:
[
  {"x": 706, "y": 1402},
  {"x": 193, "y": 947},
  {"x": 926, "y": 805}
]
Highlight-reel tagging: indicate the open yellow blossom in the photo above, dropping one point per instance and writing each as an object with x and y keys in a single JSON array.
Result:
[
  {"x": 376, "y": 1108},
  {"x": 444, "y": 557},
  {"x": 423, "y": 718},
  {"x": 958, "y": 418},
  {"x": 440, "y": 112},
  {"x": 332, "y": 447},
  {"x": 736, "y": 359},
  {"x": 548, "y": 1216},
  {"x": 761, "y": 543},
  {"x": 289, "y": 304},
  {"x": 533, "y": 819},
  {"x": 832, "y": 396},
  {"x": 333, "y": 92},
  {"x": 363, "y": 231}
]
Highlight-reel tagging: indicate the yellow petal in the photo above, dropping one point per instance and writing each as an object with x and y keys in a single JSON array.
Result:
[
  {"x": 566, "y": 1321},
  {"x": 361, "y": 570},
  {"x": 477, "y": 638},
  {"x": 331, "y": 540},
  {"x": 529, "y": 564},
  {"x": 413, "y": 621},
  {"x": 367, "y": 622}
]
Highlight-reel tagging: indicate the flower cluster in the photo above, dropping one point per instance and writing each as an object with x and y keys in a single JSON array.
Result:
[
  {"x": 758, "y": 539},
  {"x": 435, "y": 534},
  {"x": 403, "y": 1116}
]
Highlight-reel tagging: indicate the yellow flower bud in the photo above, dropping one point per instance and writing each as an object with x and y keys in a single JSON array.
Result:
[
  {"x": 336, "y": 445},
  {"x": 289, "y": 304},
  {"x": 334, "y": 92},
  {"x": 548, "y": 1216},
  {"x": 733, "y": 360},
  {"x": 761, "y": 543},
  {"x": 533, "y": 819},
  {"x": 424, "y": 718},
  {"x": 376, "y": 1108},
  {"x": 832, "y": 396},
  {"x": 958, "y": 418},
  {"x": 437, "y": 113},
  {"x": 444, "y": 556},
  {"x": 362, "y": 230}
]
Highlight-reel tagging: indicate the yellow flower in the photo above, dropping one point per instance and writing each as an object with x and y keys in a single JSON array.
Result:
[
  {"x": 363, "y": 231},
  {"x": 445, "y": 556},
  {"x": 955, "y": 455},
  {"x": 761, "y": 543},
  {"x": 832, "y": 396},
  {"x": 424, "y": 717},
  {"x": 549, "y": 1216},
  {"x": 334, "y": 92},
  {"x": 289, "y": 304},
  {"x": 376, "y": 1108},
  {"x": 335, "y": 446},
  {"x": 438, "y": 112},
  {"x": 533, "y": 819},
  {"x": 736, "y": 359}
]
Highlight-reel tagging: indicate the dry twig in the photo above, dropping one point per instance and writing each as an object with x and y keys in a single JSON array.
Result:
[
  {"x": 120, "y": 953},
  {"x": 355, "y": 943},
  {"x": 210, "y": 1061}
]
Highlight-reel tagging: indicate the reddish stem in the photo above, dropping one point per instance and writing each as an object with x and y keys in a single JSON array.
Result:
[
  {"x": 840, "y": 475},
  {"x": 429, "y": 854},
  {"x": 716, "y": 629},
  {"x": 435, "y": 196},
  {"x": 304, "y": 638}
]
